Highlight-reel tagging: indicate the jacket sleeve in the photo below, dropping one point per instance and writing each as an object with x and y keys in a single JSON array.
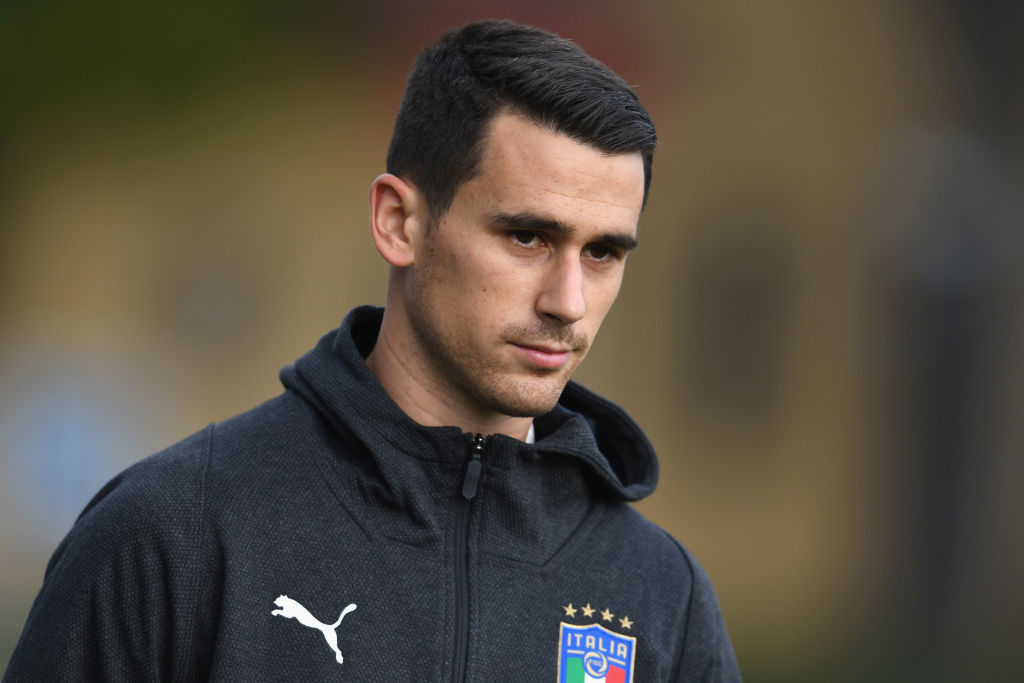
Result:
[
  {"x": 708, "y": 655},
  {"x": 119, "y": 594}
]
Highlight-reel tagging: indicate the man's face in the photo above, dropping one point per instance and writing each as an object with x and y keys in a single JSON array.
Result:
[{"x": 508, "y": 291}]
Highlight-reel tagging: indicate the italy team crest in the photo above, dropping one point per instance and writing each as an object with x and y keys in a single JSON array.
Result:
[{"x": 593, "y": 654}]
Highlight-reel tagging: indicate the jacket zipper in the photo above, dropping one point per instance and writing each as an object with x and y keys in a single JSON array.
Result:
[{"x": 470, "y": 481}]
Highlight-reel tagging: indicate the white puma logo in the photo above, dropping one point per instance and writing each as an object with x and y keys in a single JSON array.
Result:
[{"x": 290, "y": 609}]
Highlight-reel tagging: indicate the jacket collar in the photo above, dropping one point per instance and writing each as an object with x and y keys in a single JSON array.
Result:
[{"x": 584, "y": 428}]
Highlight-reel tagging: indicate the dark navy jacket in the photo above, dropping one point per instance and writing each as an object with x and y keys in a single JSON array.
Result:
[{"x": 231, "y": 555}]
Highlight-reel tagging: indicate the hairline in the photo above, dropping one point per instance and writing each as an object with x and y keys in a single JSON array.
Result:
[{"x": 435, "y": 216}]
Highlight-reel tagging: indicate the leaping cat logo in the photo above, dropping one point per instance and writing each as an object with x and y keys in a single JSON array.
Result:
[{"x": 290, "y": 609}]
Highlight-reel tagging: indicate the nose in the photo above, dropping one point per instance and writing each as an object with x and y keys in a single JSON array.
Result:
[{"x": 561, "y": 296}]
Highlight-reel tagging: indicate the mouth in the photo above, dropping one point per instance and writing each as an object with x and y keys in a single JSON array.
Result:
[{"x": 547, "y": 357}]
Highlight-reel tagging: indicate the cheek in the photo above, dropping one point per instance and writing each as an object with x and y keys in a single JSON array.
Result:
[
  {"x": 492, "y": 282},
  {"x": 475, "y": 293}
]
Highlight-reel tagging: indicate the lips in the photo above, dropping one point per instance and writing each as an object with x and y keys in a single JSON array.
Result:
[{"x": 548, "y": 357}]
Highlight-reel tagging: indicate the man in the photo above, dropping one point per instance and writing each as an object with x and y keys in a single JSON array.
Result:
[{"x": 431, "y": 499}]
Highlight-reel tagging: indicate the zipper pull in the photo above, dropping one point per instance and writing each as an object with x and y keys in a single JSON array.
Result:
[{"x": 473, "y": 467}]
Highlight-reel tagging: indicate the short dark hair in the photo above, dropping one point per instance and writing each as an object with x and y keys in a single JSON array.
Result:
[{"x": 477, "y": 71}]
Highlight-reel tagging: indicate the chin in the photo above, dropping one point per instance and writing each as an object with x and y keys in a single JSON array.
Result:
[{"x": 526, "y": 399}]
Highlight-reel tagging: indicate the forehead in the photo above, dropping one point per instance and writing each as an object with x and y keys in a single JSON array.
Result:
[{"x": 526, "y": 166}]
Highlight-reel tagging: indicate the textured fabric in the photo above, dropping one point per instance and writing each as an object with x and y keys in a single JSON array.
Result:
[{"x": 331, "y": 496}]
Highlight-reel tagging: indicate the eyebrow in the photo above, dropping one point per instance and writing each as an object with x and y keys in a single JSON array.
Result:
[{"x": 524, "y": 220}]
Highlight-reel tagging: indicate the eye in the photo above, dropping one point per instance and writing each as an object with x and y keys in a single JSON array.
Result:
[
  {"x": 599, "y": 252},
  {"x": 525, "y": 238}
]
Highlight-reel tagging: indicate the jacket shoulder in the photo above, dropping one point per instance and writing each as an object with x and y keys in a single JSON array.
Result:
[
  {"x": 668, "y": 568},
  {"x": 118, "y": 594},
  {"x": 169, "y": 483}
]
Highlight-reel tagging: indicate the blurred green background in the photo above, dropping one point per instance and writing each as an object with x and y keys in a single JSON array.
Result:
[{"x": 822, "y": 332}]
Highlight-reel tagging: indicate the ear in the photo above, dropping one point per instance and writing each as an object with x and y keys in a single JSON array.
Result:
[{"x": 397, "y": 219}]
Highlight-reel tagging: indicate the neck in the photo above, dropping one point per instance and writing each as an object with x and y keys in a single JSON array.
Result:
[{"x": 406, "y": 377}]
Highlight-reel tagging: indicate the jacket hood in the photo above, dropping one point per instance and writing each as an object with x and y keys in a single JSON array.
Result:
[{"x": 583, "y": 427}]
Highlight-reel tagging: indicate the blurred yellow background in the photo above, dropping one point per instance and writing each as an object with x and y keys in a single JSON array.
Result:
[{"x": 822, "y": 331}]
